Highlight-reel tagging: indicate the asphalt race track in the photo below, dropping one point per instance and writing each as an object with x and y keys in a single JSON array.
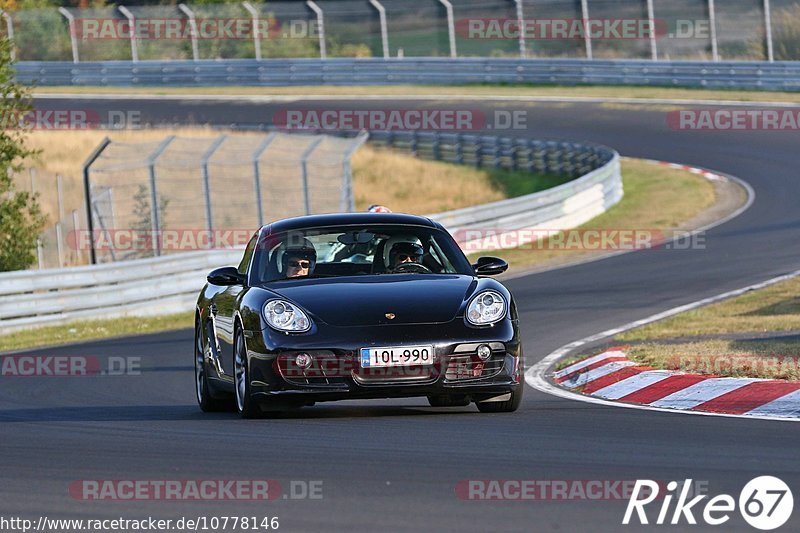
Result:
[{"x": 394, "y": 465}]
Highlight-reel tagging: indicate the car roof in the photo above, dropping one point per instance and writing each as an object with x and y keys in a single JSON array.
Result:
[{"x": 346, "y": 219}]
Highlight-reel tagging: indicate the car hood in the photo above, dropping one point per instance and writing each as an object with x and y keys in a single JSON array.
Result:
[{"x": 364, "y": 301}]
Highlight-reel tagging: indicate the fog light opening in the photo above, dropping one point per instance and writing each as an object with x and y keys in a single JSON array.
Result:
[
  {"x": 303, "y": 361},
  {"x": 484, "y": 352}
]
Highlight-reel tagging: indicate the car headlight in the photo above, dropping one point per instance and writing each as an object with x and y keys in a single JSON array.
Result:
[
  {"x": 486, "y": 308},
  {"x": 286, "y": 316}
]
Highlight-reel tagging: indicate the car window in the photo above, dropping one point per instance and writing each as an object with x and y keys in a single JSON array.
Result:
[
  {"x": 358, "y": 251},
  {"x": 248, "y": 253}
]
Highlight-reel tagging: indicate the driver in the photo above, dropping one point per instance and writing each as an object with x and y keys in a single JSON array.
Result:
[
  {"x": 299, "y": 260},
  {"x": 405, "y": 252}
]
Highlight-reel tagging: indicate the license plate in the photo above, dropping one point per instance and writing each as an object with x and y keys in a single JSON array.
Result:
[{"x": 396, "y": 356}]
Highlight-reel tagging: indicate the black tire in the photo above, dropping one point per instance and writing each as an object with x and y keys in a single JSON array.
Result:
[
  {"x": 207, "y": 403},
  {"x": 245, "y": 404},
  {"x": 448, "y": 400},
  {"x": 508, "y": 406}
]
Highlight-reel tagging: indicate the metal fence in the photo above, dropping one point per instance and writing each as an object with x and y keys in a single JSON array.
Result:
[
  {"x": 755, "y": 75},
  {"x": 56, "y": 197},
  {"x": 676, "y": 30},
  {"x": 226, "y": 186},
  {"x": 595, "y": 187}
]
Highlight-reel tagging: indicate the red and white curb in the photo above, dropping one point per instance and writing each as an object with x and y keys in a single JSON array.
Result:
[
  {"x": 707, "y": 174},
  {"x": 612, "y": 376}
]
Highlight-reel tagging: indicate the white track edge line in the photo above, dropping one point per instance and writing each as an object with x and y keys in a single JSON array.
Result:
[{"x": 535, "y": 376}]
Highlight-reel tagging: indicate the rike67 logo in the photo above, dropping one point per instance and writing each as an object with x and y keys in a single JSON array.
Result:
[{"x": 765, "y": 503}]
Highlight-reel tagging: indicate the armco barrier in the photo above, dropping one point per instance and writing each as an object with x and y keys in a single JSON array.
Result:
[
  {"x": 779, "y": 75},
  {"x": 171, "y": 283},
  {"x": 153, "y": 286}
]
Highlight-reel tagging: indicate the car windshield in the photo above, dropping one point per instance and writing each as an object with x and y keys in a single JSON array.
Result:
[{"x": 357, "y": 251}]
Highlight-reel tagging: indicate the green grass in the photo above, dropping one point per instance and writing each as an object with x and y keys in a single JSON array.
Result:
[
  {"x": 775, "y": 308},
  {"x": 93, "y": 330},
  {"x": 519, "y": 182},
  {"x": 680, "y": 196},
  {"x": 609, "y": 91}
]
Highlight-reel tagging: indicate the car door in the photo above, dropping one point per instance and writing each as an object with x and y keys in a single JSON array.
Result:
[{"x": 223, "y": 310}]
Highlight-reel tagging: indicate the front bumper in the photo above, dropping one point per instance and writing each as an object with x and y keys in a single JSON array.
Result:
[{"x": 336, "y": 372}]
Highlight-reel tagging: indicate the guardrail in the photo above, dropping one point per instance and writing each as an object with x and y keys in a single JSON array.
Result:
[
  {"x": 598, "y": 183},
  {"x": 779, "y": 75},
  {"x": 170, "y": 283},
  {"x": 153, "y": 286}
]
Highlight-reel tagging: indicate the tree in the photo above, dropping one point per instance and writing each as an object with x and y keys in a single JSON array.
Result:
[{"x": 21, "y": 218}]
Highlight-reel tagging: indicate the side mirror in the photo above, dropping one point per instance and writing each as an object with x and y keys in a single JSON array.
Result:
[
  {"x": 490, "y": 266},
  {"x": 225, "y": 276}
]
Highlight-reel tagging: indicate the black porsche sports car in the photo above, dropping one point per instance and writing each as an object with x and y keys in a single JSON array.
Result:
[{"x": 359, "y": 305}]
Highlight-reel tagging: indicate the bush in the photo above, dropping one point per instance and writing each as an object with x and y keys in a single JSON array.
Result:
[{"x": 21, "y": 218}]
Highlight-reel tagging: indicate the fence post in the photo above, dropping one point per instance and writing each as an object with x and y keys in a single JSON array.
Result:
[
  {"x": 712, "y": 22},
  {"x": 207, "y": 185},
  {"x": 451, "y": 27},
  {"x": 75, "y": 230},
  {"x": 72, "y": 33},
  {"x": 155, "y": 222},
  {"x": 88, "y": 195},
  {"x": 256, "y": 29},
  {"x": 587, "y": 37},
  {"x": 323, "y": 54},
  {"x": 348, "y": 200},
  {"x": 651, "y": 14},
  {"x": 257, "y": 174},
  {"x": 10, "y": 33},
  {"x": 60, "y": 193},
  {"x": 384, "y": 30},
  {"x": 304, "y": 167},
  {"x": 132, "y": 21},
  {"x": 59, "y": 230},
  {"x": 192, "y": 29},
  {"x": 768, "y": 28},
  {"x": 521, "y": 23}
]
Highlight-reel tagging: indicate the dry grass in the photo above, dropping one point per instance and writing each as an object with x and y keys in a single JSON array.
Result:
[
  {"x": 448, "y": 90},
  {"x": 679, "y": 195},
  {"x": 93, "y": 330},
  {"x": 757, "y": 359},
  {"x": 409, "y": 185},
  {"x": 756, "y": 314},
  {"x": 775, "y": 308}
]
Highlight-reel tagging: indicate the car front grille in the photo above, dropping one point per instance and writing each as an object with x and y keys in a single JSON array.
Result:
[
  {"x": 403, "y": 375},
  {"x": 470, "y": 367},
  {"x": 326, "y": 370}
]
